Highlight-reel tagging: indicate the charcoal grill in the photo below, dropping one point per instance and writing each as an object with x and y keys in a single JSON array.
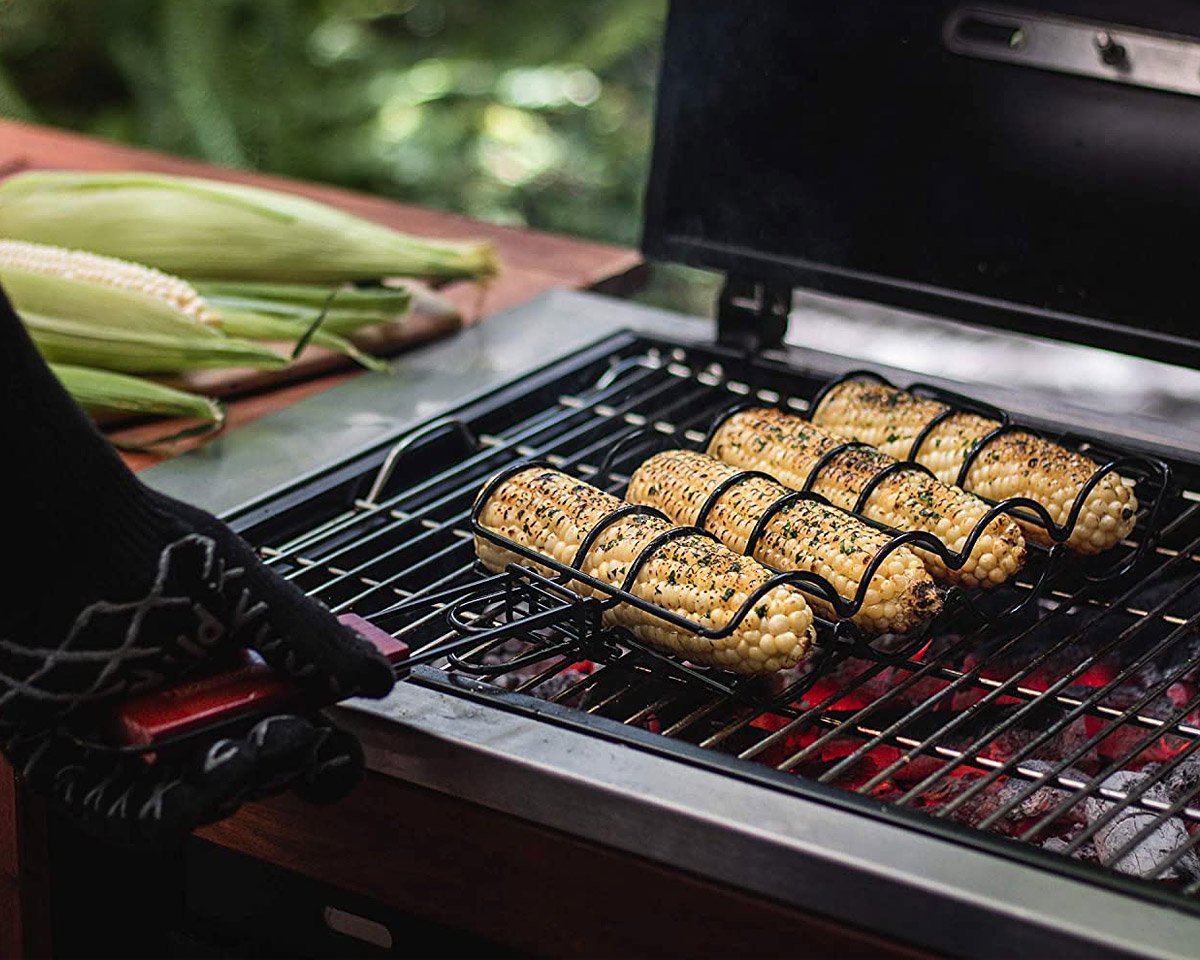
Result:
[
  {"x": 1025, "y": 774},
  {"x": 395, "y": 542}
]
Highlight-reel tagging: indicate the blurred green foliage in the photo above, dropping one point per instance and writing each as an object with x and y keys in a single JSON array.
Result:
[{"x": 525, "y": 112}]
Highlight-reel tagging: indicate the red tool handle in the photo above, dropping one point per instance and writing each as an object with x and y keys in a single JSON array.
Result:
[{"x": 252, "y": 687}]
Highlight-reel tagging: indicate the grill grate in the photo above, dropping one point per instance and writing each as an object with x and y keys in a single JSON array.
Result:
[{"x": 1072, "y": 724}]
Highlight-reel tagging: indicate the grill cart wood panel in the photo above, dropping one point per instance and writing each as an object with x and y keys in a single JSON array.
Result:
[{"x": 440, "y": 859}]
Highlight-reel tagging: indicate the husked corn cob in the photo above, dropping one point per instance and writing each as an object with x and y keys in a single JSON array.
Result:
[
  {"x": 788, "y": 448},
  {"x": 1014, "y": 464},
  {"x": 693, "y": 576},
  {"x": 804, "y": 535}
]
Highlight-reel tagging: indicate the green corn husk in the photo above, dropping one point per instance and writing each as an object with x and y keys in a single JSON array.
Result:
[
  {"x": 374, "y": 299},
  {"x": 211, "y": 230},
  {"x": 113, "y": 346},
  {"x": 256, "y": 326},
  {"x": 102, "y": 391},
  {"x": 351, "y": 308},
  {"x": 345, "y": 309},
  {"x": 105, "y": 392}
]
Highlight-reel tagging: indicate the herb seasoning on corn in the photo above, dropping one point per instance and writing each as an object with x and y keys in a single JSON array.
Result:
[
  {"x": 693, "y": 576},
  {"x": 788, "y": 448},
  {"x": 1014, "y": 464},
  {"x": 804, "y": 535}
]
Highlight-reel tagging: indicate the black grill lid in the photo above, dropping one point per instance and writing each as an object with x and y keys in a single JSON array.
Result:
[{"x": 1035, "y": 170}]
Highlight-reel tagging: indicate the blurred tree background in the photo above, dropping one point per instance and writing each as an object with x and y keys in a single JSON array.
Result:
[{"x": 525, "y": 112}]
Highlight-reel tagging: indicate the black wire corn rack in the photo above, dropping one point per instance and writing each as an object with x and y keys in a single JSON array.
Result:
[
  {"x": 521, "y": 603},
  {"x": 1026, "y": 509},
  {"x": 571, "y": 623},
  {"x": 840, "y": 635}
]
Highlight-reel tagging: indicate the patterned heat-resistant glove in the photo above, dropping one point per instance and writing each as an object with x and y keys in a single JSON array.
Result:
[
  {"x": 207, "y": 597},
  {"x": 128, "y": 801}
]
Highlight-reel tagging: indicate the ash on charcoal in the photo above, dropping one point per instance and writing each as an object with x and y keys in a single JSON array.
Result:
[
  {"x": 1086, "y": 851},
  {"x": 1001, "y": 796},
  {"x": 1184, "y": 779},
  {"x": 1163, "y": 835},
  {"x": 1042, "y": 801},
  {"x": 502, "y": 654},
  {"x": 570, "y": 672},
  {"x": 550, "y": 688}
]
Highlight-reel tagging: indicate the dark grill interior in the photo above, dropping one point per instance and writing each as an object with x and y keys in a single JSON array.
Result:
[{"x": 1072, "y": 724}]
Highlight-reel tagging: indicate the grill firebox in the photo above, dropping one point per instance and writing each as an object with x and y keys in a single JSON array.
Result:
[{"x": 1058, "y": 711}]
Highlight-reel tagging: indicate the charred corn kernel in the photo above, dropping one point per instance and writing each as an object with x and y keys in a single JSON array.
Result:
[
  {"x": 108, "y": 392},
  {"x": 805, "y": 535},
  {"x": 213, "y": 230},
  {"x": 788, "y": 448},
  {"x": 81, "y": 269},
  {"x": 693, "y": 575},
  {"x": 1014, "y": 464}
]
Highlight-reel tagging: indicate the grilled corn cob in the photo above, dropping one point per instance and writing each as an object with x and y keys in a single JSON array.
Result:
[
  {"x": 1014, "y": 464},
  {"x": 209, "y": 229},
  {"x": 788, "y": 448},
  {"x": 804, "y": 535},
  {"x": 693, "y": 576}
]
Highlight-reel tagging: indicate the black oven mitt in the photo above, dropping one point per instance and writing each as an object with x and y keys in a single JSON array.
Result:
[{"x": 112, "y": 589}]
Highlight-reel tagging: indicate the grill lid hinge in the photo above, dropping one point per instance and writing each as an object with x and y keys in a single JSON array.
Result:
[{"x": 753, "y": 314}]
